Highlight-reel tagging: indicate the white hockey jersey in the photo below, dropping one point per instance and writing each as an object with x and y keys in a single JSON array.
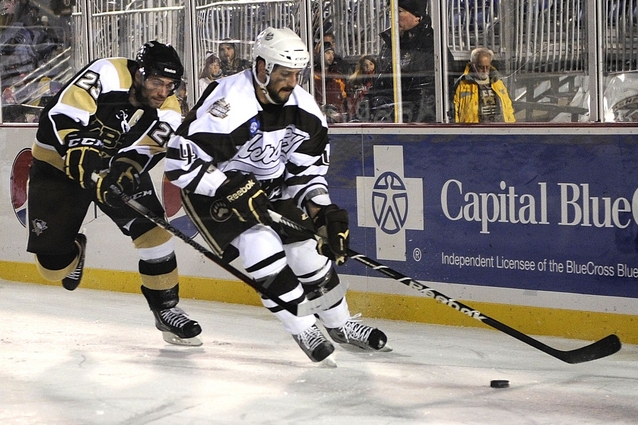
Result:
[{"x": 285, "y": 146}]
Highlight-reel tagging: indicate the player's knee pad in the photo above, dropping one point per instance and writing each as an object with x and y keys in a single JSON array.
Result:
[{"x": 55, "y": 267}]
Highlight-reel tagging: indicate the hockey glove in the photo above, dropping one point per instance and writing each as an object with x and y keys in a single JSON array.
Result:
[
  {"x": 126, "y": 179},
  {"x": 82, "y": 159},
  {"x": 246, "y": 198},
  {"x": 332, "y": 224}
]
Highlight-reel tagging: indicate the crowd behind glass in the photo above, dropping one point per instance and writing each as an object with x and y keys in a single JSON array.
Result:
[{"x": 481, "y": 84}]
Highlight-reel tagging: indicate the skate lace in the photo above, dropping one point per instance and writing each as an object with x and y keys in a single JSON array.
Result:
[
  {"x": 175, "y": 317},
  {"x": 311, "y": 338},
  {"x": 352, "y": 329},
  {"x": 74, "y": 275}
]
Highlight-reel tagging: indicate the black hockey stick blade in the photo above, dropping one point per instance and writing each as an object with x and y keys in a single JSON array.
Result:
[
  {"x": 596, "y": 350},
  {"x": 599, "y": 349},
  {"x": 306, "y": 308}
]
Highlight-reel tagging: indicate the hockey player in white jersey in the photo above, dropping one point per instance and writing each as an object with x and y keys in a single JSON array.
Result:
[{"x": 257, "y": 141}]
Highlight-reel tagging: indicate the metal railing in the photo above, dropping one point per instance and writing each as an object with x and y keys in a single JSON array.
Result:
[{"x": 529, "y": 37}]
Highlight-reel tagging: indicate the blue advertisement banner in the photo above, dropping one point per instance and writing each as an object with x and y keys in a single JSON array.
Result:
[{"x": 536, "y": 212}]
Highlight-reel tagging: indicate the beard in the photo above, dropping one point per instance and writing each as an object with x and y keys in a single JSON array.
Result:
[{"x": 281, "y": 96}]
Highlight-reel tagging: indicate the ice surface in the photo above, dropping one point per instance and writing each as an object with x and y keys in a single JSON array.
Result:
[{"x": 94, "y": 357}]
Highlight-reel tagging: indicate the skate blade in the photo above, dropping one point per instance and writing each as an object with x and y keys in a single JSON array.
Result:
[
  {"x": 329, "y": 362},
  {"x": 357, "y": 349},
  {"x": 385, "y": 349},
  {"x": 171, "y": 338}
]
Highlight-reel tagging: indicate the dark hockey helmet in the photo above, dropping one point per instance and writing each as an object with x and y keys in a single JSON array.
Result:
[{"x": 155, "y": 58}]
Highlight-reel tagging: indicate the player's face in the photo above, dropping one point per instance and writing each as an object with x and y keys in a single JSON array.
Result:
[
  {"x": 282, "y": 81},
  {"x": 156, "y": 89}
]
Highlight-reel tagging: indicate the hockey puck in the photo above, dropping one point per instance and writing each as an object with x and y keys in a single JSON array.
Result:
[{"x": 499, "y": 383}]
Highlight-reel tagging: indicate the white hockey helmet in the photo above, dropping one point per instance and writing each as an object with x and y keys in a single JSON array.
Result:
[{"x": 278, "y": 46}]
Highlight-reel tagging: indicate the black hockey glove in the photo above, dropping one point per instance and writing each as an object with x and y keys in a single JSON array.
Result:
[
  {"x": 332, "y": 224},
  {"x": 246, "y": 198},
  {"x": 126, "y": 179},
  {"x": 82, "y": 159}
]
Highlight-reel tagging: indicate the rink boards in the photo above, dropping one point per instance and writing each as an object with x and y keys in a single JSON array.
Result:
[{"x": 534, "y": 226}]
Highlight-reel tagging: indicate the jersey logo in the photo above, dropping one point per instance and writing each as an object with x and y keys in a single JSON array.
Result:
[
  {"x": 123, "y": 117},
  {"x": 293, "y": 137},
  {"x": 253, "y": 127},
  {"x": 109, "y": 135},
  {"x": 220, "y": 211},
  {"x": 39, "y": 226},
  {"x": 220, "y": 108}
]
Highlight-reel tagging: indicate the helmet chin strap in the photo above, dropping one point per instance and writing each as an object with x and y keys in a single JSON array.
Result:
[{"x": 262, "y": 87}]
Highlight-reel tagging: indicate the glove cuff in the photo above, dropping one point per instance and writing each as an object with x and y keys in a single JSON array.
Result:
[{"x": 320, "y": 218}]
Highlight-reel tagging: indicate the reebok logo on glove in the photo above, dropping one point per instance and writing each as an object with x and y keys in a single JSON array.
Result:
[
  {"x": 241, "y": 191},
  {"x": 245, "y": 198}
]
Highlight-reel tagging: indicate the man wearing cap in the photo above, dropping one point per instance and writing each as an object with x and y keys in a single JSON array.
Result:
[
  {"x": 230, "y": 62},
  {"x": 416, "y": 56}
]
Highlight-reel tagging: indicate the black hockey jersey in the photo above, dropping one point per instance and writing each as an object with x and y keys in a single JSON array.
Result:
[
  {"x": 285, "y": 146},
  {"x": 95, "y": 103}
]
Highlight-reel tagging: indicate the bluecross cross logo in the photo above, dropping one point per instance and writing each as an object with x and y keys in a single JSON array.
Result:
[{"x": 390, "y": 202}]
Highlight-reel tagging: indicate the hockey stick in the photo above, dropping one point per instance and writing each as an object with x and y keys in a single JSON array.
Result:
[
  {"x": 306, "y": 308},
  {"x": 599, "y": 349}
]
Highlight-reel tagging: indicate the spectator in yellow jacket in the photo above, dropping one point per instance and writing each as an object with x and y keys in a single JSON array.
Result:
[{"x": 480, "y": 96}]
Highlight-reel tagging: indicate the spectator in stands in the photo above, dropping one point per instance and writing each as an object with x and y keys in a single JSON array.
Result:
[
  {"x": 338, "y": 63},
  {"x": 26, "y": 13},
  {"x": 416, "y": 58},
  {"x": 480, "y": 94},
  {"x": 7, "y": 10},
  {"x": 212, "y": 71},
  {"x": 182, "y": 97},
  {"x": 334, "y": 105},
  {"x": 359, "y": 84},
  {"x": 230, "y": 62}
]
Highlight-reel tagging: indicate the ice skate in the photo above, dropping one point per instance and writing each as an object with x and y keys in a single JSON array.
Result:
[
  {"x": 177, "y": 328},
  {"x": 72, "y": 281},
  {"x": 174, "y": 323},
  {"x": 353, "y": 333},
  {"x": 316, "y": 346}
]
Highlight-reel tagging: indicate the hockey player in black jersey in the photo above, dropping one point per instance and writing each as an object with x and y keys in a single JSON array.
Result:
[
  {"x": 109, "y": 125},
  {"x": 257, "y": 141}
]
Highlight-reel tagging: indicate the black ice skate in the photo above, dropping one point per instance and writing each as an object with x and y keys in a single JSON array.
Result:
[
  {"x": 72, "y": 281},
  {"x": 174, "y": 323},
  {"x": 355, "y": 334},
  {"x": 176, "y": 327},
  {"x": 316, "y": 346}
]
